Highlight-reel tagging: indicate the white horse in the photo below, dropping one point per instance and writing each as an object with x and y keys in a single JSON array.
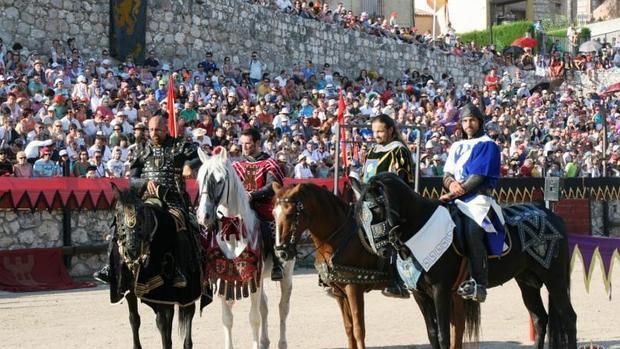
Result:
[{"x": 222, "y": 195}]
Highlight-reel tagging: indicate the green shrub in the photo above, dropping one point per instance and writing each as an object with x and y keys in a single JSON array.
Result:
[{"x": 503, "y": 35}]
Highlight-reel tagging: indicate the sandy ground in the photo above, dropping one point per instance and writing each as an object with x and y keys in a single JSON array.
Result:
[{"x": 85, "y": 319}]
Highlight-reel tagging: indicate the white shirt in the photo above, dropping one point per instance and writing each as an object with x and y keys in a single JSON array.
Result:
[
  {"x": 116, "y": 168},
  {"x": 303, "y": 171}
]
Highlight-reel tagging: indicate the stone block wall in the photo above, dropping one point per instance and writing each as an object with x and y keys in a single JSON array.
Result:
[
  {"x": 181, "y": 31},
  {"x": 40, "y": 229}
]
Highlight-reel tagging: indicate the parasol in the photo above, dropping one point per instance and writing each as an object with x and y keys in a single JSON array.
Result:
[{"x": 525, "y": 42}]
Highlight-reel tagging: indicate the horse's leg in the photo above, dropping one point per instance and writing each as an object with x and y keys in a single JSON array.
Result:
[
  {"x": 286, "y": 289},
  {"x": 134, "y": 319},
  {"x": 343, "y": 302},
  {"x": 443, "y": 304},
  {"x": 186, "y": 315},
  {"x": 264, "y": 306},
  {"x": 427, "y": 307},
  {"x": 534, "y": 304},
  {"x": 227, "y": 321},
  {"x": 255, "y": 316},
  {"x": 165, "y": 313},
  {"x": 355, "y": 295},
  {"x": 457, "y": 322},
  {"x": 264, "y": 314}
]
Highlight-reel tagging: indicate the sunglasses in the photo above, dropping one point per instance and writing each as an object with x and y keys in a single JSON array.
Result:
[
  {"x": 46, "y": 154},
  {"x": 21, "y": 158}
]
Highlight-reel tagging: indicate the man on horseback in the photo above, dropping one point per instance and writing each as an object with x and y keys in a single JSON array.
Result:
[
  {"x": 389, "y": 154},
  {"x": 156, "y": 171},
  {"x": 470, "y": 173},
  {"x": 259, "y": 172}
]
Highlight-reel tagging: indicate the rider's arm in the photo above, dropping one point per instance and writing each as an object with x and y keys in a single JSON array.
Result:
[
  {"x": 473, "y": 183},
  {"x": 135, "y": 173},
  {"x": 266, "y": 192}
]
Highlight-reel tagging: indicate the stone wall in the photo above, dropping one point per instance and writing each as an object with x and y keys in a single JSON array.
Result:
[
  {"x": 182, "y": 31},
  {"x": 27, "y": 229}
]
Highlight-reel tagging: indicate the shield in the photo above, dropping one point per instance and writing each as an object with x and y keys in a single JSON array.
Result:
[{"x": 590, "y": 46}]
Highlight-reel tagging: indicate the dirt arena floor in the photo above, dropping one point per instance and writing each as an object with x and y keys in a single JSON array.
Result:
[{"x": 85, "y": 319}]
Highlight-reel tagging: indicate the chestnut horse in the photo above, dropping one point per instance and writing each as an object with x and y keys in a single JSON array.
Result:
[{"x": 335, "y": 236}]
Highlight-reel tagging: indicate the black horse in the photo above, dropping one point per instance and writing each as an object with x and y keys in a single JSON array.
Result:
[
  {"x": 142, "y": 265},
  {"x": 389, "y": 196}
]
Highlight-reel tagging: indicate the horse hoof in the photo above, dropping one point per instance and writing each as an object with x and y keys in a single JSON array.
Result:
[
  {"x": 264, "y": 345},
  {"x": 282, "y": 345}
]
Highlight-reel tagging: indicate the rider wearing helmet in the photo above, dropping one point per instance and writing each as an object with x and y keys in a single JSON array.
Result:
[{"x": 470, "y": 173}]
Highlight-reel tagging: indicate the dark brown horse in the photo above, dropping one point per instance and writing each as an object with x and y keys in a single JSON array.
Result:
[{"x": 538, "y": 256}]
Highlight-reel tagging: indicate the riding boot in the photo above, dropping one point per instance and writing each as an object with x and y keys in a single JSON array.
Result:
[
  {"x": 475, "y": 288},
  {"x": 395, "y": 287},
  {"x": 179, "y": 280},
  {"x": 277, "y": 271},
  {"x": 103, "y": 275}
]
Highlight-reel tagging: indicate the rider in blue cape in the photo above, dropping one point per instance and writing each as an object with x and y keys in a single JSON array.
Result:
[{"x": 470, "y": 174}]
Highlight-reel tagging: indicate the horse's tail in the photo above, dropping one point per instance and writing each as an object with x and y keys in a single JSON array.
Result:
[
  {"x": 558, "y": 333},
  {"x": 472, "y": 320}
]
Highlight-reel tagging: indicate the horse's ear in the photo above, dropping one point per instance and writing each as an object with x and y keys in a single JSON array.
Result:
[
  {"x": 276, "y": 187},
  {"x": 202, "y": 155},
  {"x": 117, "y": 191},
  {"x": 224, "y": 154},
  {"x": 357, "y": 187}
]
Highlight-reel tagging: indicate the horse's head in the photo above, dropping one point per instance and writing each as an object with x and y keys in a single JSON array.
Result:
[
  {"x": 213, "y": 183},
  {"x": 289, "y": 220},
  {"x": 375, "y": 211},
  {"x": 135, "y": 227}
]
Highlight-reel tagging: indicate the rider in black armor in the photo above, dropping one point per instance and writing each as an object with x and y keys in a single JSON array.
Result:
[{"x": 156, "y": 171}]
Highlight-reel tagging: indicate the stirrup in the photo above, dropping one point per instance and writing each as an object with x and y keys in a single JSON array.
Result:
[
  {"x": 277, "y": 273},
  {"x": 103, "y": 275},
  {"x": 396, "y": 292},
  {"x": 179, "y": 280},
  {"x": 471, "y": 290}
]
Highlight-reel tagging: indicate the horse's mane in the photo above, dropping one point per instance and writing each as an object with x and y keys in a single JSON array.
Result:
[
  {"x": 221, "y": 167},
  {"x": 129, "y": 196},
  {"x": 400, "y": 196},
  {"x": 327, "y": 199}
]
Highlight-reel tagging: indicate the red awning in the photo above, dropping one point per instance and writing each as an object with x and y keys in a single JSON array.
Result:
[{"x": 82, "y": 193}]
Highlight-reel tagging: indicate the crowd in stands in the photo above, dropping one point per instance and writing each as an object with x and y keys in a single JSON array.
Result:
[
  {"x": 554, "y": 60},
  {"x": 63, "y": 114}
]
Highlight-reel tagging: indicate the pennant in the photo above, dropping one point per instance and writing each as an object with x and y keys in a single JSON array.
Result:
[
  {"x": 172, "y": 118},
  {"x": 341, "y": 108}
]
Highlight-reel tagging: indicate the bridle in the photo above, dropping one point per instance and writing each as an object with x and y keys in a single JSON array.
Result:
[
  {"x": 204, "y": 189},
  {"x": 384, "y": 233},
  {"x": 288, "y": 249},
  {"x": 125, "y": 227}
]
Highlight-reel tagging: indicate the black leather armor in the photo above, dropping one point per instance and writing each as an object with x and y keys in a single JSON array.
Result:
[{"x": 164, "y": 165}]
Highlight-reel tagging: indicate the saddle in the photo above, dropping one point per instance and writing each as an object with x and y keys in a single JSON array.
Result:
[
  {"x": 460, "y": 220},
  {"x": 538, "y": 236}
]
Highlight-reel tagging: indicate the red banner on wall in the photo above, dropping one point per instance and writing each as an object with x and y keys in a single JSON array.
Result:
[{"x": 36, "y": 269}]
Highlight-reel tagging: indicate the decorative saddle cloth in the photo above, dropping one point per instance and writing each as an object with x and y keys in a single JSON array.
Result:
[
  {"x": 233, "y": 259},
  {"x": 539, "y": 237}
]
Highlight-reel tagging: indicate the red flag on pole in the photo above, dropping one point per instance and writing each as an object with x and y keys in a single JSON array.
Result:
[
  {"x": 341, "y": 108},
  {"x": 172, "y": 119}
]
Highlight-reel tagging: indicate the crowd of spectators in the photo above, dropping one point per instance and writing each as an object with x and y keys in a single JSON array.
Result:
[
  {"x": 559, "y": 58},
  {"x": 63, "y": 114}
]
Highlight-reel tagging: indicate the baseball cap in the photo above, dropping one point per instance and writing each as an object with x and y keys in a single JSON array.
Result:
[{"x": 63, "y": 152}]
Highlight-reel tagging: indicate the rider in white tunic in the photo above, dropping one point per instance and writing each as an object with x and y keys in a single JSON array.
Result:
[{"x": 470, "y": 173}]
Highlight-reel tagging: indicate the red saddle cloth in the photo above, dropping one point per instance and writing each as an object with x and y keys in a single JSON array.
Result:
[
  {"x": 233, "y": 278},
  {"x": 37, "y": 269}
]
